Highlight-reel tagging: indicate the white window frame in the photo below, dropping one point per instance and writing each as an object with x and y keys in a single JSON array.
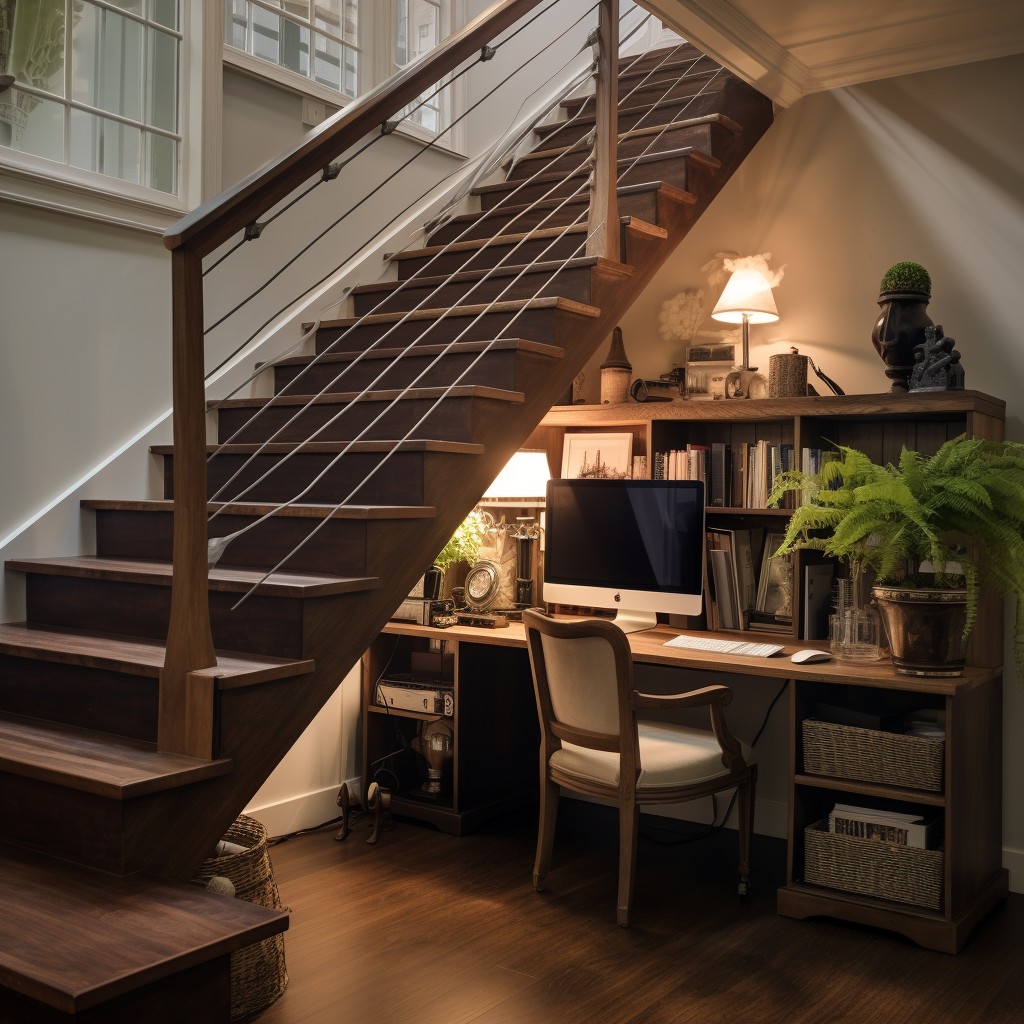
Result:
[
  {"x": 376, "y": 21},
  {"x": 35, "y": 181}
]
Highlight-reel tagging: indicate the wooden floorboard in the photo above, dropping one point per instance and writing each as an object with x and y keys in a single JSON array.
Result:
[{"x": 426, "y": 928}]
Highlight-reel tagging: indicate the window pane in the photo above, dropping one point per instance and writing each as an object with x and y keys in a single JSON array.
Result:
[
  {"x": 106, "y": 62},
  {"x": 351, "y": 77},
  {"x": 164, "y": 12},
  {"x": 37, "y": 46},
  {"x": 108, "y": 147},
  {"x": 162, "y": 88},
  {"x": 135, "y": 6},
  {"x": 163, "y": 163},
  {"x": 418, "y": 29},
  {"x": 327, "y": 69},
  {"x": 236, "y": 23},
  {"x": 265, "y": 35},
  {"x": 294, "y": 47},
  {"x": 32, "y": 125}
]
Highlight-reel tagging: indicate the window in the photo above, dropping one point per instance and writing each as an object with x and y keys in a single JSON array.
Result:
[
  {"x": 355, "y": 45},
  {"x": 95, "y": 86}
]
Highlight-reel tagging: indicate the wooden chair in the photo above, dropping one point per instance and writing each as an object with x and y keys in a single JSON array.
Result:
[{"x": 593, "y": 741}]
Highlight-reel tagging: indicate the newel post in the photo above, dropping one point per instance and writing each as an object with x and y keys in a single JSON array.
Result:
[
  {"x": 186, "y": 703},
  {"x": 603, "y": 226}
]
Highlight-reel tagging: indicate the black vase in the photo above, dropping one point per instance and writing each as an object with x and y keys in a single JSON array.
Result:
[{"x": 898, "y": 330}]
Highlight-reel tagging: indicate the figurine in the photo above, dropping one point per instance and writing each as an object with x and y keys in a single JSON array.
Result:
[{"x": 936, "y": 363}]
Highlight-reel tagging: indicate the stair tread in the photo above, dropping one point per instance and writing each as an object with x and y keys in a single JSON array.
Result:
[
  {"x": 259, "y": 508},
  {"x": 582, "y": 119},
  {"x": 137, "y": 656},
  {"x": 469, "y": 244},
  {"x": 459, "y": 347},
  {"x": 114, "y": 933},
  {"x": 390, "y": 395},
  {"x": 539, "y": 267},
  {"x": 333, "y": 447},
  {"x": 97, "y": 763},
  {"x": 474, "y": 309},
  {"x": 668, "y": 68},
  {"x": 280, "y": 584}
]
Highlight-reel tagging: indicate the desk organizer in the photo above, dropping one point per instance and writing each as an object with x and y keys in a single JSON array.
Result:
[
  {"x": 870, "y": 867},
  {"x": 868, "y": 755}
]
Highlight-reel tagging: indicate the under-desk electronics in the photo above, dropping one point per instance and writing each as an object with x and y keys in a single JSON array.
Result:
[
  {"x": 481, "y": 620},
  {"x": 408, "y": 692}
]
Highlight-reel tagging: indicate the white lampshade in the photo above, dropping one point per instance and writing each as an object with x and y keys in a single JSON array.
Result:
[
  {"x": 748, "y": 295},
  {"x": 524, "y": 478}
]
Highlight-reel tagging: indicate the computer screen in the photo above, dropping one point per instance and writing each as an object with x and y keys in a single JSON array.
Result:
[{"x": 636, "y": 546}]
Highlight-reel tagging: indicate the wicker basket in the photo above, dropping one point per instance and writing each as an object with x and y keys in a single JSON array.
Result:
[
  {"x": 873, "y": 868},
  {"x": 258, "y": 972},
  {"x": 867, "y": 755}
]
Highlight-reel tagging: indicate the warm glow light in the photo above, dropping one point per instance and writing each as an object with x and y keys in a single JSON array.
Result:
[
  {"x": 747, "y": 295},
  {"x": 525, "y": 476}
]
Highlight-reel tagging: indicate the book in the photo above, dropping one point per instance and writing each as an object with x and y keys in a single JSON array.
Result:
[
  {"x": 817, "y": 600},
  {"x": 896, "y": 827},
  {"x": 725, "y": 593}
]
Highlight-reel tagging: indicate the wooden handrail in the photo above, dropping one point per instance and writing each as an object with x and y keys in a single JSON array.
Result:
[
  {"x": 603, "y": 223},
  {"x": 186, "y": 699},
  {"x": 221, "y": 217}
]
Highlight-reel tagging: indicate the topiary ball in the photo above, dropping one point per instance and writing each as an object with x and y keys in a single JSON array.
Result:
[{"x": 906, "y": 277}]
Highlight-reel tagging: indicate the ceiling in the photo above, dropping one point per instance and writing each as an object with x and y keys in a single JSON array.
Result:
[{"x": 788, "y": 48}]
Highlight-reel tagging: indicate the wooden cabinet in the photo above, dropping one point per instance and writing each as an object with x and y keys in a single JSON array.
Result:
[
  {"x": 493, "y": 764},
  {"x": 880, "y": 425}
]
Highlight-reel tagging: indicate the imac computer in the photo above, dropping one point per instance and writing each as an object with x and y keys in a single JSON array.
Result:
[{"x": 636, "y": 546}]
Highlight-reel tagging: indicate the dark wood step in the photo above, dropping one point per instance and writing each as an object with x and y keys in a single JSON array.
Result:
[
  {"x": 549, "y": 321},
  {"x": 429, "y": 413},
  {"x": 671, "y": 166},
  {"x": 113, "y": 768},
  {"x": 412, "y": 471},
  {"x": 329, "y": 539},
  {"x": 572, "y": 279},
  {"x": 681, "y": 53},
  {"x": 85, "y": 945},
  {"x": 644, "y": 86},
  {"x": 637, "y": 200},
  {"x": 104, "y": 682},
  {"x": 133, "y": 597},
  {"x": 706, "y": 134}
]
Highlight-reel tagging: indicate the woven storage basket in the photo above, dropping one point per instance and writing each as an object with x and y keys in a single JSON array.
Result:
[
  {"x": 258, "y": 972},
  {"x": 867, "y": 755},
  {"x": 873, "y": 868}
]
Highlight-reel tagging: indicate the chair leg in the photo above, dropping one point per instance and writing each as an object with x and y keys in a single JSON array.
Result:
[
  {"x": 545, "y": 832},
  {"x": 746, "y": 796},
  {"x": 629, "y": 823}
]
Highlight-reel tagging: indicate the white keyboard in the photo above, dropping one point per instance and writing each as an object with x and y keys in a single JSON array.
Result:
[{"x": 708, "y": 643}]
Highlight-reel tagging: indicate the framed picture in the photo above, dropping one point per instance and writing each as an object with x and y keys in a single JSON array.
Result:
[
  {"x": 775, "y": 585},
  {"x": 608, "y": 456}
]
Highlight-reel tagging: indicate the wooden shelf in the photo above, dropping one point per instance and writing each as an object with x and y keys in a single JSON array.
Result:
[{"x": 917, "y": 796}]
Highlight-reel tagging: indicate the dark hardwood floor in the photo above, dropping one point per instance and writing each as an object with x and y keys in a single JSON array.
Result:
[{"x": 426, "y": 928}]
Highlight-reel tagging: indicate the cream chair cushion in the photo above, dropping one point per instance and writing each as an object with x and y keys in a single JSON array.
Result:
[{"x": 670, "y": 755}]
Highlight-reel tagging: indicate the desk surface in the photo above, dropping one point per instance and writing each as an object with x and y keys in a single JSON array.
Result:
[{"x": 649, "y": 648}]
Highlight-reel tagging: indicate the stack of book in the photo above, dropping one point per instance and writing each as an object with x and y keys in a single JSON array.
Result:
[{"x": 885, "y": 826}]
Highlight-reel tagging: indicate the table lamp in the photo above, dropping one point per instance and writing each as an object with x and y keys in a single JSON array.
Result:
[
  {"x": 522, "y": 482},
  {"x": 747, "y": 299}
]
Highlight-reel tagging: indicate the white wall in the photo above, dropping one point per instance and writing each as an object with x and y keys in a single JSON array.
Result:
[{"x": 929, "y": 168}]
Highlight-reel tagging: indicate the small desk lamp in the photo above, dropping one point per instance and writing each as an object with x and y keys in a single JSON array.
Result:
[
  {"x": 523, "y": 482},
  {"x": 747, "y": 299}
]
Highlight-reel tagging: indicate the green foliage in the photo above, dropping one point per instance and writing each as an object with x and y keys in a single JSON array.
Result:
[
  {"x": 906, "y": 277},
  {"x": 964, "y": 504},
  {"x": 464, "y": 543}
]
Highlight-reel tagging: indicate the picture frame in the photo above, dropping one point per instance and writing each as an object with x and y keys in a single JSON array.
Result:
[
  {"x": 775, "y": 583},
  {"x": 606, "y": 456}
]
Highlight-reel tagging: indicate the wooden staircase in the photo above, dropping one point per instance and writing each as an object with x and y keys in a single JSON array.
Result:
[{"x": 82, "y": 780}]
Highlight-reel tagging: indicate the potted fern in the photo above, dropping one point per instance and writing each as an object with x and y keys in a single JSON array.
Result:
[{"x": 933, "y": 530}]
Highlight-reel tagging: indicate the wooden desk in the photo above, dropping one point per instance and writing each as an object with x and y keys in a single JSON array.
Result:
[{"x": 494, "y": 764}]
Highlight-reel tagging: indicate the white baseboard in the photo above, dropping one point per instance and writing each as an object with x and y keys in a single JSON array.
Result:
[
  {"x": 1013, "y": 860},
  {"x": 308, "y": 810}
]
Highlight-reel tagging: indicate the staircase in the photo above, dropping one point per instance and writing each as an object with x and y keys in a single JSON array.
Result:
[{"x": 85, "y": 791}]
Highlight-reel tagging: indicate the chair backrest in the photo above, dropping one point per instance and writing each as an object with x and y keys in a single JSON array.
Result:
[{"x": 583, "y": 677}]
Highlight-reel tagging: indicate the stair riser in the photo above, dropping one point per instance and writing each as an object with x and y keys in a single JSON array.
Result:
[
  {"x": 572, "y": 211},
  {"x": 525, "y": 252},
  {"x": 679, "y": 109},
  {"x": 669, "y": 168},
  {"x": 338, "y": 547},
  {"x": 119, "y": 703},
  {"x": 542, "y": 325},
  {"x": 450, "y": 420},
  {"x": 498, "y": 368},
  {"x": 684, "y": 54},
  {"x": 701, "y": 137},
  {"x": 262, "y": 625},
  {"x": 641, "y": 89},
  {"x": 571, "y": 284}
]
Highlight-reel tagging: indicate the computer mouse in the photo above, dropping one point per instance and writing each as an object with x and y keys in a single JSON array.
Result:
[{"x": 803, "y": 657}]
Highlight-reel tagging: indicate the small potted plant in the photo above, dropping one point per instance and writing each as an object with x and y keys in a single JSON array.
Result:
[
  {"x": 903, "y": 298},
  {"x": 933, "y": 530},
  {"x": 462, "y": 546}
]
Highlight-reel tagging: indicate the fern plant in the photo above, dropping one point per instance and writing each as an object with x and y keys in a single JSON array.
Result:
[
  {"x": 464, "y": 543},
  {"x": 961, "y": 509}
]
